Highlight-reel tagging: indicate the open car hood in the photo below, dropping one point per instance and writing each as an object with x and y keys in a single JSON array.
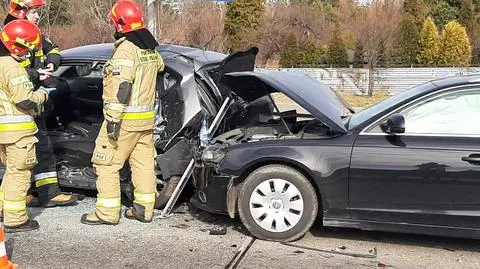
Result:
[{"x": 317, "y": 98}]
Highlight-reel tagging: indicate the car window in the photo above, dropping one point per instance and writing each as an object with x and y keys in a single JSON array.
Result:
[
  {"x": 450, "y": 113},
  {"x": 367, "y": 114},
  {"x": 80, "y": 71}
]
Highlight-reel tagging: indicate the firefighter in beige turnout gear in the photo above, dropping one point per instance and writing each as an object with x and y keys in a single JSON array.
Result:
[
  {"x": 127, "y": 132},
  {"x": 18, "y": 104}
]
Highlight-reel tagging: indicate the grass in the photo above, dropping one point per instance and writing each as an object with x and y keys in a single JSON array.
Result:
[
  {"x": 357, "y": 101},
  {"x": 364, "y": 100}
]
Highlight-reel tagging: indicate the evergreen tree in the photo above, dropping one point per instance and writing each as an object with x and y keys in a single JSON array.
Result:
[
  {"x": 428, "y": 43},
  {"x": 337, "y": 54},
  {"x": 310, "y": 54},
  {"x": 289, "y": 53},
  {"x": 455, "y": 48},
  {"x": 242, "y": 17},
  {"x": 406, "y": 47},
  {"x": 444, "y": 12}
]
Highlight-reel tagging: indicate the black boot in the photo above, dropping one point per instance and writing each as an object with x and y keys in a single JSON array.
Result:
[
  {"x": 30, "y": 225},
  {"x": 93, "y": 219}
]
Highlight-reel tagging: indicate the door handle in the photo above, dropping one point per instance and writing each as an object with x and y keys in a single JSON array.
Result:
[
  {"x": 474, "y": 158},
  {"x": 92, "y": 87}
]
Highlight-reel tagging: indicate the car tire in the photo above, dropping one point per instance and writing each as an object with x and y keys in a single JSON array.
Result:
[{"x": 298, "y": 212}]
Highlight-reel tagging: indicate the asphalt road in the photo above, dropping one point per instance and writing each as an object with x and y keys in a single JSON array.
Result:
[{"x": 183, "y": 241}]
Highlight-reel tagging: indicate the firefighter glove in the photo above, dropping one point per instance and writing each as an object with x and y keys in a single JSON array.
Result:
[{"x": 113, "y": 129}]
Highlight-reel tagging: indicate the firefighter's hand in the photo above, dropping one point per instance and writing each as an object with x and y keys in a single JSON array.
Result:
[
  {"x": 50, "y": 67},
  {"x": 113, "y": 129},
  {"x": 44, "y": 74}
]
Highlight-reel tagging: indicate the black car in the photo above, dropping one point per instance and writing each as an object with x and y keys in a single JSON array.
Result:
[{"x": 408, "y": 164}]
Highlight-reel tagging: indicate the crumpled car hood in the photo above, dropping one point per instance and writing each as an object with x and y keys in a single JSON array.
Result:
[{"x": 314, "y": 96}]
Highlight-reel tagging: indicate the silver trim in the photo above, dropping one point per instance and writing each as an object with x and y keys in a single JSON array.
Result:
[
  {"x": 15, "y": 119},
  {"x": 443, "y": 91},
  {"x": 146, "y": 108},
  {"x": 44, "y": 175}
]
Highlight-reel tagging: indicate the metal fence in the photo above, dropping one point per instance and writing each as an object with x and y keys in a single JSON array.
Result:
[{"x": 393, "y": 80}]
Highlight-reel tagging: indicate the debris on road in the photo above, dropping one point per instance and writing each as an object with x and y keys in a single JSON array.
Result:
[
  {"x": 180, "y": 226},
  {"x": 450, "y": 249},
  {"x": 218, "y": 230},
  {"x": 371, "y": 254},
  {"x": 298, "y": 252}
]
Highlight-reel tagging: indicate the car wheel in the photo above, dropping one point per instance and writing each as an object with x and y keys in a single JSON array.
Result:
[{"x": 277, "y": 203}]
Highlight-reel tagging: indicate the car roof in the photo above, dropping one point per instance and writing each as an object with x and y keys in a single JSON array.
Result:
[
  {"x": 103, "y": 51},
  {"x": 457, "y": 81}
]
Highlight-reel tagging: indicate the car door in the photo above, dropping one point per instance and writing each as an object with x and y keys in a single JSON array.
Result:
[{"x": 428, "y": 175}]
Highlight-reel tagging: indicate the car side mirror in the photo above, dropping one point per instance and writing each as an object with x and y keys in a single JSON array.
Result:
[{"x": 394, "y": 125}]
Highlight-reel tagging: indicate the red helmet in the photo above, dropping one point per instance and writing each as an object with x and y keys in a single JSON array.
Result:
[
  {"x": 127, "y": 16},
  {"x": 21, "y": 36},
  {"x": 18, "y": 8}
]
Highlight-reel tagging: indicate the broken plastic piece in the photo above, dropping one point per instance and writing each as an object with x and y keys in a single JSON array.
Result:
[{"x": 218, "y": 230}]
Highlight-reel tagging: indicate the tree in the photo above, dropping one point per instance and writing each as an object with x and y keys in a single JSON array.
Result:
[
  {"x": 289, "y": 54},
  {"x": 375, "y": 27},
  {"x": 336, "y": 54},
  {"x": 443, "y": 12},
  {"x": 310, "y": 54},
  {"x": 468, "y": 16},
  {"x": 406, "y": 46},
  {"x": 428, "y": 43},
  {"x": 300, "y": 54},
  {"x": 358, "y": 55},
  {"x": 415, "y": 11},
  {"x": 455, "y": 49},
  {"x": 242, "y": 18}
]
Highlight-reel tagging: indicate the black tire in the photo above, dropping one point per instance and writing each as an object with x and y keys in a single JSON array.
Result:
[{"x": 292, "y": 176}]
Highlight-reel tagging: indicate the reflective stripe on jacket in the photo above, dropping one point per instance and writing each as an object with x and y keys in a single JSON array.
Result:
[{"x": 129, "y": 86}]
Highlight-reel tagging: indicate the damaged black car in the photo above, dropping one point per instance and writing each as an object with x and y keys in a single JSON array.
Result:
[{"x": 279, "y": 149}]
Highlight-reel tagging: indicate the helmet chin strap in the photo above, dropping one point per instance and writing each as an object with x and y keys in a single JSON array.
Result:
[{"x": 117, "y": 35}]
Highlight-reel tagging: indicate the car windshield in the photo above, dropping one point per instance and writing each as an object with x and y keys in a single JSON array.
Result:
[{"x": 362, "y": 116}]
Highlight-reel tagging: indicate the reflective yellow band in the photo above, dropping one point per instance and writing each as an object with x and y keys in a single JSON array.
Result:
[
  {"x": 139, "y": 116},
  {"x": 108, "y": 202},
  {"x": 25, "y": 63},
  {"x": 39, "y": 53},
  {"x": 142, "y": 198},
  {"x": 15, "y": 206},
  {"x": 120, "y": 62},
  {"x": 135, "y": 25},
  {"x": 46, "y": 181},
  {"x": 18, "y": 126},
  {"x": 54, "y": 51}
]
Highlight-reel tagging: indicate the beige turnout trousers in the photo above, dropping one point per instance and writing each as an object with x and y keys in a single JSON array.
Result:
[
  {"x": 109, "y": 157},
  {"x": 18, "y": 158}
]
